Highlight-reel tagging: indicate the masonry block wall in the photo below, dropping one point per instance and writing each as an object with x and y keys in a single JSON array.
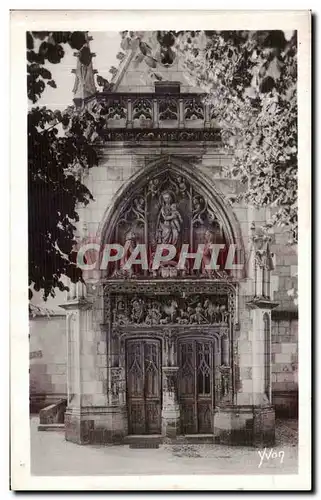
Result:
[
  {"x": 285, "y": 328},
  {"x": 48, "y": 360}
]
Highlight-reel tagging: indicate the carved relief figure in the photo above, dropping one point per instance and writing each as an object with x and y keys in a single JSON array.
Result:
[
  {"x": 153, "y": 186},
  {"x": 223, "y": 314},
  {"x": 121, "y": 317},
  {"x": 169, "y": 221},
  {"x": 171, "y": 311},
  {"x": 129, "y": 247},
  {"x": 199, "y": 209},
  {"x": 209, "y": 311},
  {"x": 139, "y": 208},
  {"x": 209, "y": 238},
  {"x": 181, "y": 187},
  {"x": 176, "y": 311},
  {"x": 153, "y": 315},
  {"x": 137, "y": 314}
]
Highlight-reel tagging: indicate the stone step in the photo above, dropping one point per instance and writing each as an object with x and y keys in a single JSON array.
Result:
[
  {"x": 143, "y": 441},
  {"x": 51, "y": 427}
]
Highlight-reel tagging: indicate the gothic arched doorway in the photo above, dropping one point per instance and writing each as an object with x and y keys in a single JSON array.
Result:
[{"x": 170, "y": 328}]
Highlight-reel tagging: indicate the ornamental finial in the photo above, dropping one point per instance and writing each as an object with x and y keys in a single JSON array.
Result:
[{"x": 84, "y": 80}]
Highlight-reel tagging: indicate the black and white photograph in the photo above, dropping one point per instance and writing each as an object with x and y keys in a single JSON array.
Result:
[{"x": 163, "y": 309}]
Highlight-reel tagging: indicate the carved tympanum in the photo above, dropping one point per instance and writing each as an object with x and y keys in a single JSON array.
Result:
[{"x": 168, "y": 210}]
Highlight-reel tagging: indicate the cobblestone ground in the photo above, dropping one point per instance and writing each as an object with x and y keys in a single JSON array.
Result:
[{"x": 51, "y": 455}]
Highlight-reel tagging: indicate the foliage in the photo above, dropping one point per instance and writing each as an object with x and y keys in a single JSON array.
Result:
[
  {"x": 60, "y": 150},
  {"x": 56, "y": 162},
  {"x": 250, "y": 82},
  {"x": 48, "y": 47},
  {"x": 250, "y": 78}
]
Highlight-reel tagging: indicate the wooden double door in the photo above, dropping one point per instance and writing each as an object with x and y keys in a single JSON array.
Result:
[
  {"x": 195, "y": 385},
  {"x": 144, "y": 386}
]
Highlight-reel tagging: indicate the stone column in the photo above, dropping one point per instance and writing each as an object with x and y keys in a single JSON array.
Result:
[
  {"x": 129, "y": 122},
  {"x": 170, "y": 410},
  {"x": 155, "y": 114},
  {"x": 181, "y": 118},
  {"x": 94, "y": 413},
  {"x": 251, "y": 418}
]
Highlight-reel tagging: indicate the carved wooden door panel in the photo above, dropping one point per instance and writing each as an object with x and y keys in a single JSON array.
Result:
[
  {"x": 144, "y": 386},
  {"x": 196, "y": 386}
]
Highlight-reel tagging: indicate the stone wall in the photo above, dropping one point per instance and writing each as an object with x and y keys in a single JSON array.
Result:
[
  {"x": 285, "y": 328},
  {"x": 48, "y": 360}
]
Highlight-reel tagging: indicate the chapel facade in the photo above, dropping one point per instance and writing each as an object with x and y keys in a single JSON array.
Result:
[{"x": 181, "y": 351}]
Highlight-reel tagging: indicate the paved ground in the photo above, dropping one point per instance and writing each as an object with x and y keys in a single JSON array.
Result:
[{"x": 52, "y": 455}]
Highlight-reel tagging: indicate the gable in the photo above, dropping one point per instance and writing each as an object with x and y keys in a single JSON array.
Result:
[{"x": 134, "y": 74}]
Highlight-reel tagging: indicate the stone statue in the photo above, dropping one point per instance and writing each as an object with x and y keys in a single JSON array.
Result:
[
  {"x": 209, "y": 238},
  {"x": 129, "y": 247},
  {"x": 169, "y": 220}
]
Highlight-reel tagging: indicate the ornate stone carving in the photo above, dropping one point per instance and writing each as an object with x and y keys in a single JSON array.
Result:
[
  {"x": 169, "y": 220},
  {"x": 262, "y": 238},
  {"x": 107, "y": 307},
  {"x": 263, "y": 260},
  {"x": 181, "y": 289},
  {"x": 135, "y": 212},
  {"x": 193, "y": 109},
  {"x": 115, "y": 109},
  {"x": 170, "y": 135},
  {"x": 142, "y": 109},
  {"x": 168, "y": 210},
  {"x": 168, "y": 108},
  {"x": 116, "y": 378},
  {"x": 225, "y": 380},
  {"x": 193, "y": 310},
  {"x": 170, "y": 381},
  {"x": 129, "y": 247}
]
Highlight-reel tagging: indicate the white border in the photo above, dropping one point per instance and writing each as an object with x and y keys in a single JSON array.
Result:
[{"x": 147, "y": 20}]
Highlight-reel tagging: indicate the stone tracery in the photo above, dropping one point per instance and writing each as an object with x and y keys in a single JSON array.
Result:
[{"x": 168, "y": 210}]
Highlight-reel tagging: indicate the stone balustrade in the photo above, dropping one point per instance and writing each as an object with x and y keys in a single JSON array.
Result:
[{"x": 150, "y": 111}]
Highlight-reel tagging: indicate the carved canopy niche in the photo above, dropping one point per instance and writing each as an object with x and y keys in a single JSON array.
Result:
[{"x": 169, "y": 205}]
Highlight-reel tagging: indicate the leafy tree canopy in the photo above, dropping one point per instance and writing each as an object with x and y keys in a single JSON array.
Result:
[
  {"x": 60, "y": 150},
  {"x": 250, "y": 80}
]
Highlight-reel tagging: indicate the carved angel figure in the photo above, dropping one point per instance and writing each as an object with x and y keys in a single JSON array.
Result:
[
  {"x": 153, "y": 186},
  {"x": 181, "y": 186},
  {"x": 129, "y": 247},
  {"x": 139, "y": 208},
  {"x": 198, "y": 210}
]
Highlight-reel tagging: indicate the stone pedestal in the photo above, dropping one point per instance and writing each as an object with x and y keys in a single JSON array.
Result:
[
  {"x": 96, "y": 410},
  {"x": 170, "y": 410},
  {"x": 96, "y": 425},
  {"x": 245, "y": 426}
]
